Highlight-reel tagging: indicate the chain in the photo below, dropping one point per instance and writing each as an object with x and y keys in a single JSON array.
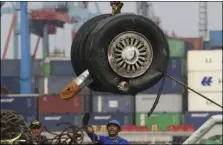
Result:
[{"x": 116, "y": 7}]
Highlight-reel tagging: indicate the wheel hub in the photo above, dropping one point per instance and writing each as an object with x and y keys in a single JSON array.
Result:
[{"x": 130, "y": 54}]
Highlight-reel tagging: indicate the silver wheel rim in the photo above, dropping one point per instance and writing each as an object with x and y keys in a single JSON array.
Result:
[{"x": 130, "y": 54}]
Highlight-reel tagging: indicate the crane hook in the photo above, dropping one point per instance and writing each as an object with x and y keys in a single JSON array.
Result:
[{"x": 116, "y": 7}]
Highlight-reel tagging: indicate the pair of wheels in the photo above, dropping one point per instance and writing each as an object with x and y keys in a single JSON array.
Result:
[{"x": 125, "y": 49}]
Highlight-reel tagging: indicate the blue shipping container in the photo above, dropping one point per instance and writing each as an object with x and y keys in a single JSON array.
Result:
[
  {"x": 206, "y": 45},
  {"x": 11, "y": 67},
  {"x": 113, "y": 103},
  {"x": 13, "y": 84},
  {"x": 198, "y": 118},
  {"x": 25, "y": 105},
  {"x": 104, "y": 118},
  {"x": 170, "y": 87},
  {"x": 51, "y": 120},
  {"x": 61, "y": 68},
  {"x": 187, "y": 46},
  {"x": 174, "y": 66},
  {"x": 215, "y": 38}
]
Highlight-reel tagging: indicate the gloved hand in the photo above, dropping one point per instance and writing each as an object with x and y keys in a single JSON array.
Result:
[{"x": 86, "y": 119}]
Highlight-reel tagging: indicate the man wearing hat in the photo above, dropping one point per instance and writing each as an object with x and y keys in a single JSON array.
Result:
[
  {"x": 113, "y": 128},
  {"x": 35, "y": 127}
]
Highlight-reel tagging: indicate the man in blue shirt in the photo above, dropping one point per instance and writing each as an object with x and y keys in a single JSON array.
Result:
[{"x": 113, "y": 128}]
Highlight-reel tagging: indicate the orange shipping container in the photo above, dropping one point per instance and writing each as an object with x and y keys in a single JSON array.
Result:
[{"x": 196, "y": 42}]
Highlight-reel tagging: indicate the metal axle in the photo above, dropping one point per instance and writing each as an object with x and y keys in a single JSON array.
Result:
[{"x": 82, "y": 81}]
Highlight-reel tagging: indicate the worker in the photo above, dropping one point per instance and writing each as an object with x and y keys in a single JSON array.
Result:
[
  {"x": 36, "y": 127},
  {"x": 113, "y": 128}
]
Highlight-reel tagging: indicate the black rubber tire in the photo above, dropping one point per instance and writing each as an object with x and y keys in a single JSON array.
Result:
[
  {"x": 78, "y": 47},
  {"x": 102, "y": 35}
]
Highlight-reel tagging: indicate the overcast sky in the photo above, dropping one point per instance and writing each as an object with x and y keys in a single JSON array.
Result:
[{"x": 180, "y": 17}]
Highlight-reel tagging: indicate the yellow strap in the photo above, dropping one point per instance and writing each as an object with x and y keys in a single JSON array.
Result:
[{"x": 10, "y": 141}]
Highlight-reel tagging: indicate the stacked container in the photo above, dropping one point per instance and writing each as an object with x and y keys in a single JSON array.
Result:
[
  {"x": 204, "y": 76},
  {"x": 10, "y": 75},
  {"x": 196, "y": 42},
  {"x": 61, "y": 67},
  {"x": 107, "y": 106},
  {"x": 26, "y": 105},
  {"x": 55, "y": 84},
  {"x": 53, "y": 110},
  {"x": 169, "y": 109},
  {"x": 58, "y": 74},
  {"x": 215, "y": 39}
]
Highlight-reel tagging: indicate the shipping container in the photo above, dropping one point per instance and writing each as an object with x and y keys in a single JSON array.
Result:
[
  {"x": 51, "y": 121},
  {"x": 176, "y": 48},
  {"x": 104, "y": 118},
  {"x": 144, "y": 102},
  {"x": 170, "y": 87},
  {"x": 113, "y": 103},
  {"x": 175, "y": 66},
  {"x": 198, "y": 118},
  {"x": 197, "y": 43},
  {"x": 61, "y": 68},
  {"x": 204, "y": 60},
  {"x": 216, "y": 48},
  {"x": 13, "y": 84},
  {"x": 198, "y": 103},
  {"x": 187, "y": 46},
  {"x": 56, "y": 84},
  {"x": 49, "y": 104},
  {"x": 216, "y": 38},
  {"x": 183, "y": 67},
  {"x": 205, "y": 81},
  {"x": 158, "y": 121},
  {"x": 11, "y": 67},
  {"x": 26, "y": 105},
  {"x": 206, "y": 45}
]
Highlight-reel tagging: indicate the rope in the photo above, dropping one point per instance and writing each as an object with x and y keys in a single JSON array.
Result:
[
  {"x": 70, "y": 135},
  {"x": 13, "y": 127}
]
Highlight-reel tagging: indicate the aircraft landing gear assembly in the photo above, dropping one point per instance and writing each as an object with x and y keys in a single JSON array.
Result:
[{"x": 118, "y": 53}]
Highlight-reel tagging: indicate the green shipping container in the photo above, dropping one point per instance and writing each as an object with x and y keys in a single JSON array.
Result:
[
  {"x": 161, "y": 120},
  {"x": 177, "y": 48}
]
